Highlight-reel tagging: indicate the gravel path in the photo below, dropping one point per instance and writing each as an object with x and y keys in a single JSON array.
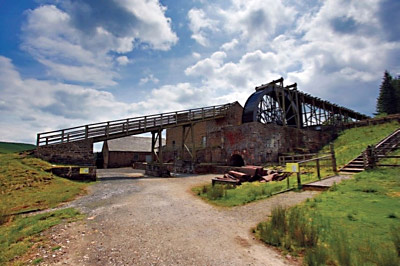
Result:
[{"x": 158, "y": 221}]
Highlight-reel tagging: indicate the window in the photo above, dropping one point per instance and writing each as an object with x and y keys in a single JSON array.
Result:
[{"x": 204, "y": 141}]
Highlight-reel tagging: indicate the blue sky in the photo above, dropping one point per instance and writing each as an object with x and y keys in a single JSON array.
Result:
[{"x": 72, "y": 62}]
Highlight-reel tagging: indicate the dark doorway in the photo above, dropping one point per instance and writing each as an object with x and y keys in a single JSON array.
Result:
[{"x": 236, "y": 160}]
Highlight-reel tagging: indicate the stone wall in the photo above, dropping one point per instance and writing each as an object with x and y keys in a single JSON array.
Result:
[
  {"x": 75, "y": 153},
  {"x": 204, "y": 135},
  {"x": 256, "y": 143}
]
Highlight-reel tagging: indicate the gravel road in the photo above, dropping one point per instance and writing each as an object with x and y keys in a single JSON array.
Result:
[{"x": 132, "y": 220}]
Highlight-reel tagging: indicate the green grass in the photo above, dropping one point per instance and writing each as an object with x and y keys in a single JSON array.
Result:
[
  {"x": 10, "y": 147},
  {"x": 357, "y": 223},
  {"x": 228, "y": 196},
  {"x": 352, "y": 142},
  {"x": 20, "y": 234},
  {"x": 25, "y": 185}
]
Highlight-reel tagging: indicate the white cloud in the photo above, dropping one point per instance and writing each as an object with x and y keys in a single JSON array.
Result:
[
  {"x": 196, "y": 55},
  {"x": 334, "y": 50},
  {"x": 229, "y": 45},
  {"x": 149, "y": 78},
  {"x": 74, "y": 40},
  {"x": 199, "y": 24},
  {"x": 256, "y": 21},
  {"x": 123, "y": 60}
]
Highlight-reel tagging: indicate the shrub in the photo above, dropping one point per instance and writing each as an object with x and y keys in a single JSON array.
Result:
[{"x": 215, "y": 192}]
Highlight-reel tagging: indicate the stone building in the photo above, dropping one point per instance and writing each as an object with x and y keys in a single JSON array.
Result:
[
  {"x": 123, "y": 152},
  {"x": 229, "y": 141}
]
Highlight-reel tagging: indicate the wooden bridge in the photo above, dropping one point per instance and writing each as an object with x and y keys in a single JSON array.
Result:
[{"x": 131, "y": 126}]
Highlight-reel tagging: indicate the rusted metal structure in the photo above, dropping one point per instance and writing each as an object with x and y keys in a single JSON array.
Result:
[{"x": 276, "y": 104}]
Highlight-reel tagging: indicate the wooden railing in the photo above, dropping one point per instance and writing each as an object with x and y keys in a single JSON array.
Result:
[{"x": 130, "y": 126}]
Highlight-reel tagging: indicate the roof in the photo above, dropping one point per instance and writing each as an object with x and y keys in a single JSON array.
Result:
[{"x": 131, "y": 143}]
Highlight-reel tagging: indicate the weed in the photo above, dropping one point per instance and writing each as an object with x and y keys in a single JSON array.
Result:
[
  {"x": 37, "y": 261},
  {"x": 215, "y": 192},
  {"x": 316, "y": 256},
  {"x": 55, "y": 248}
]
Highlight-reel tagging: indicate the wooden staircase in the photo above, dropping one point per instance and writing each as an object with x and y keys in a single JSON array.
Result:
[{"x": 386, "y": 145}]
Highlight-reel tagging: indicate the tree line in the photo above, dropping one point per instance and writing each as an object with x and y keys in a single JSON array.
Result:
[{"x": 388, "y": 101}]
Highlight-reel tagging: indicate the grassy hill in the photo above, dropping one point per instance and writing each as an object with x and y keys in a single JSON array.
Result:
[
  {"x": 352, "y": 142},
  {"x": 10, "y": 147},
  {"x": 356, "y": 222},
  {"x": 25, "y": 186}
]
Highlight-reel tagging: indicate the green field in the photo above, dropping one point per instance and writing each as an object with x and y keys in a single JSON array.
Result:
[
  {"x": 26, "y": 186},
  {"x": 10, "y": 147},
  {"x": 357, "y": 222}
]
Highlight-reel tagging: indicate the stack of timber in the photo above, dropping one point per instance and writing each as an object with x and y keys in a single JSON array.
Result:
[{"x": 249, "y": 173}]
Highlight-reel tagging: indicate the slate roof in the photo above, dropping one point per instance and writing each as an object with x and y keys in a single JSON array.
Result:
[{"x": 131, "y": 143}]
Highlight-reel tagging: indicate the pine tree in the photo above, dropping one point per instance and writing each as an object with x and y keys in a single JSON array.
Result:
[
  {"x": 386, "y": 102},
  {"x": 396, "y": 85}
]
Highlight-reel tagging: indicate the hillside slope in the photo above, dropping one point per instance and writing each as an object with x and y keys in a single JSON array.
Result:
[{"x": 10, "y": 147}]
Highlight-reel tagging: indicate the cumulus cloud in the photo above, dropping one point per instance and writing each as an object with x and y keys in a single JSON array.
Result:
[
  {"x": 256, "y": 21},
  {"x": 123, "y": 60},
  {"x": 229, "y": 45},
  {"x": 75, "y": 39},
  {"x": 149, "y": 78},
  {"x": 334, "y": 50},
  {"x": 199, "y": 24}
]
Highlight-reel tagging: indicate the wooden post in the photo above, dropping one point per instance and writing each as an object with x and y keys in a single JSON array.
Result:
[
  {"x": 318, "y": 170},
  {"x": 160, "y": 155},
  {"x": 38, "y": 140},
  {"x": 183, "y": 143},
  {"x": 62, "y": 136},
  {"x": 333, "y": 158},
  {"x": 193, "y": 143},
  {"x": 287, "y": 181},
  {"x": 86, "y": 132},
  {"x": 298, "y": 179},
  {"x": 152, "y": 146}
]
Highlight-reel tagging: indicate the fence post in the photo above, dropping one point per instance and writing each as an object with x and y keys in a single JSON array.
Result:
[
  {"x": 298, "y": 179},
  {"x": 86, "y": 131},
  {"x": 318, "y": 170},
  {"x": 371, "y": 162},
  {"x": 38, "y": 140},
  {"x": 333, "y": 158},
  {"x": 287, "y": 181}
]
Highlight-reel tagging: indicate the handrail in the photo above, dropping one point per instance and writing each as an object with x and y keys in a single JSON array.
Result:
[{"x": 130, "y": 126}]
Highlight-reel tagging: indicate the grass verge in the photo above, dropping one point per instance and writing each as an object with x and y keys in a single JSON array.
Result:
[
  {"x": 21, "y": 233},
  {"x": 26, "y": 186},
  {"x": 229, "y": 196},
  {"x": 355, "y": 223}
]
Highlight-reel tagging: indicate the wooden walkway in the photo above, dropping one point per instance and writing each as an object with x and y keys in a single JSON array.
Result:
[{"x": 132, "y": 126}]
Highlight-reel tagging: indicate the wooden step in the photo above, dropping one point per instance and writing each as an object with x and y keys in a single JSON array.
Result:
[{"x": 357, "y": 170}]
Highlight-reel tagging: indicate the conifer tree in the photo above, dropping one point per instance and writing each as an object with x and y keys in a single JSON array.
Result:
[{"x": 387, "y": 102}]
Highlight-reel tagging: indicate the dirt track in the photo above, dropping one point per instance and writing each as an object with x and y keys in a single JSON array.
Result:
[{"x": 157, "y": 221}]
